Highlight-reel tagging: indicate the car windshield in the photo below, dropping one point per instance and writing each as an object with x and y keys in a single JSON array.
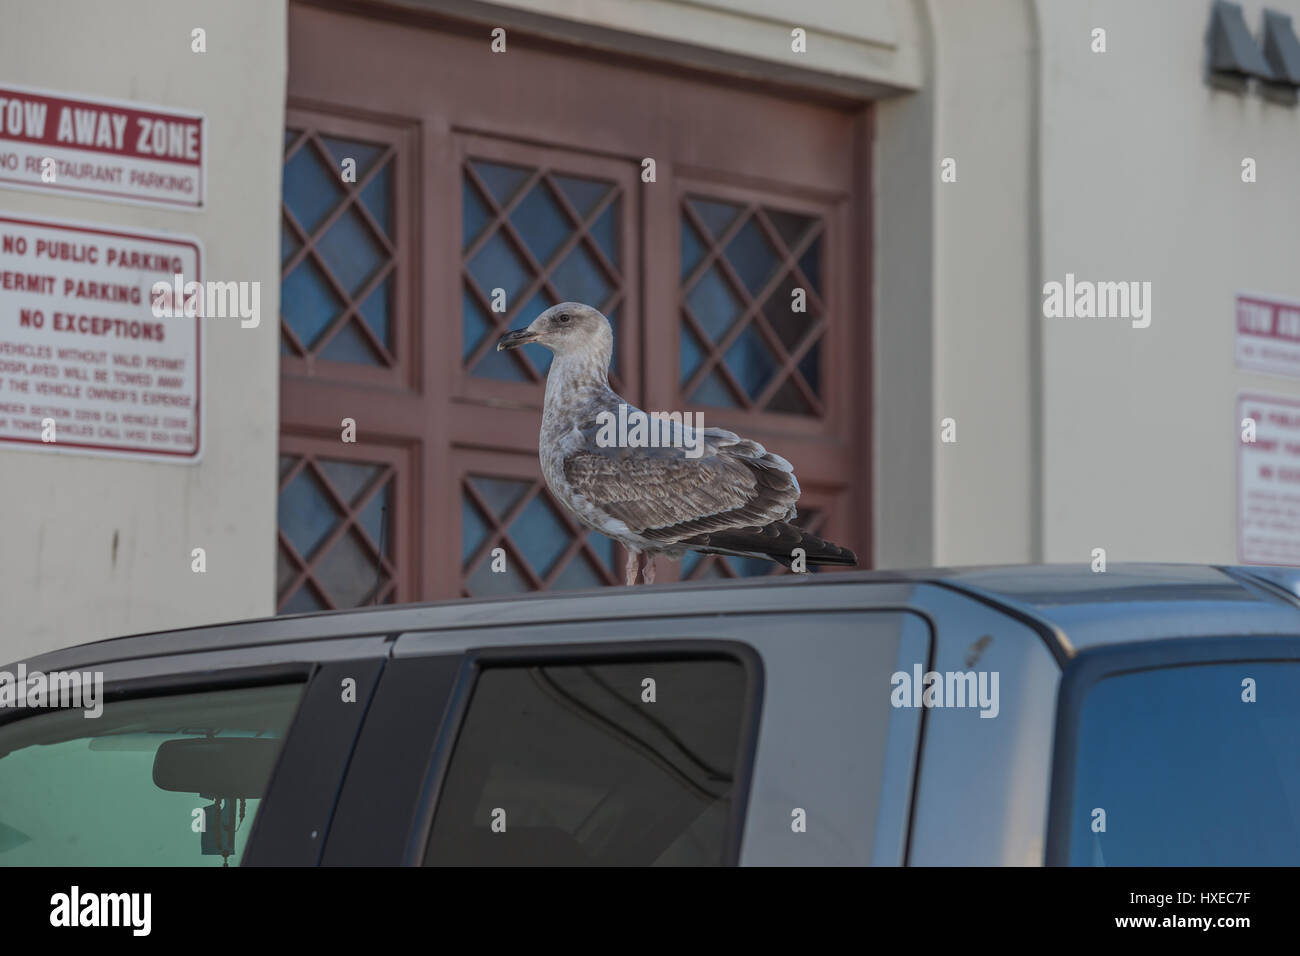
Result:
[{"x": 1189, "y": 766}]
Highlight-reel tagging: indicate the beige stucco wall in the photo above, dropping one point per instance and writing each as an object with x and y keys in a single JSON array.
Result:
[
  {"x": 60, "y": 582},
  {"x": 1141, "y": 180},
  {"x": 1073, "y": 434},
  {"x": 859, "y": 47}
]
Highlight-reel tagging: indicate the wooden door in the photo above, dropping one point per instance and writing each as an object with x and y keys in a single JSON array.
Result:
[{"x": 520, "y": 178}]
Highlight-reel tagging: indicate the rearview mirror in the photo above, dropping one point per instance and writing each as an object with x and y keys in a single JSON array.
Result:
[{"x": 227, "y": 767}]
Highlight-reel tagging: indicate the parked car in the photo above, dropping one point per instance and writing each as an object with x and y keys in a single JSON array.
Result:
[{"x": 1018, "y": 715}]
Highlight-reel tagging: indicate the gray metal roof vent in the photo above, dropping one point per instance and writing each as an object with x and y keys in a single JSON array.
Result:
[
  {"x": 1234, "y": 57},
  {"x": 1282, "y": 51}
]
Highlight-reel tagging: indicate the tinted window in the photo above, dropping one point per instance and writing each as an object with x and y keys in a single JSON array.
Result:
[
  {"x": 571, "y": 765},
  {"x": 1187, "y": 772},
  {"x": 132, "y": 786}
]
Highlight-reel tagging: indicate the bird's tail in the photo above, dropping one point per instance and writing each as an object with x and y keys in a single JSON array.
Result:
[{"x": 774, "y": 542}]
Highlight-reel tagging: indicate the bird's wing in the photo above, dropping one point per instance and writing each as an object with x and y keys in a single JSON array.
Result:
[{"x": 665, "y": 495}]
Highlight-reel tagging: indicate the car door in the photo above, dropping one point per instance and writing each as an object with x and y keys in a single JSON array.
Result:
[{"x": 752, "y": 738}]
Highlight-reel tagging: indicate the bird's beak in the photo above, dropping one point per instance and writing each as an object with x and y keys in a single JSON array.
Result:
[{"x": 512, "y": 340}]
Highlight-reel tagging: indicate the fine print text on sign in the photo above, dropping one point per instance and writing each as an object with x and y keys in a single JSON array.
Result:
[
  {"x": 1268, "y": 480},
  {"x": 1268, "y": 334},
  {"x": 120, "y": 151},
  {"x": 84, "y": 362}
]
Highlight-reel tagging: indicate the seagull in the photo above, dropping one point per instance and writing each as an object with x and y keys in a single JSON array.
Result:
[{"x": 707, "y": 490}]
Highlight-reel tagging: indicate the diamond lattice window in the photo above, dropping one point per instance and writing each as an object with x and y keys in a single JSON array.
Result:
[
  {"x": 753, "y": 314},
  {"x": 337, "y": 250},
  {"x": 541, "y": 237},
  {"x": 543, "y": 548},
  {"x": 335, "y": 549}
]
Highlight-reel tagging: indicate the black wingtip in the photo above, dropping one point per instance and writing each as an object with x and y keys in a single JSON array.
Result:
[{"x": 776, "y": 542}]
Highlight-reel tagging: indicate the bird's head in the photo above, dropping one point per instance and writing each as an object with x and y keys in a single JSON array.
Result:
[{"x": 566, "y": 329}]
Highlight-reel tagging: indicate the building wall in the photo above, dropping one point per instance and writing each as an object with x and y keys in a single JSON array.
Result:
[
  {"x": 94, "y": 547},
  {"x": 1141, "y": 180},
  {"x": 1072, "y": 434}
]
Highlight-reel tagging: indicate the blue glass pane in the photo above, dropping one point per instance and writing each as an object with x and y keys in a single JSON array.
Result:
[
  {"x": 375, "y": 311},
  {"x": 347, "y": 478},
  {"x": 690, "y": 560},
  {"x": 540, "y": 223},
  {"x": 285, "y": 570},
  {"x": 350, "y": 251},
  {"x": 306, "y": 514},
  {"x": 375, "y": 518},
  {"x": 540, "y": 534},
  {"x": 311, "y": 190},
  {"x": 540, "y": 357},
  {"x": 502, "y": 366},
  {"x": 788, "y": 324},
  {"x": 752, "y": 256},
  {"x": 498, "y": 266},
  {"x": 302, "y": 602},
  {"x": 717, "y": 216},
  {"x": 289, "y": 244},
  {"x": 789, "y": 399},
  {"x": 603, "y": 546},
  {"x": 692, "y": 248},
  {"x": 616, "y": 325},
  {"x": 751, "y": 567},
  {"x": 691, "y": 355},
  {"x": 712, "y": 391},
  {"x": 341, "y": 149},
  {"x": 810, "y": 367},
  {"x": 583, "y": 194},
  {"x": 378, "y": 199},
  {"x": 349, "y": 345},
  {"x": 290, "y": 135},
  {"x": 500, "y": 494},
  {"x": 578, "y": 574},
  {"x": 502, "y": 181},
  {"x": 750, "y": 361},
  {"x": 473, "y": 529},
  {"x": 484, "y": 582},
  {"x": 811, "y": 264},
  {"x": 579, "y": 279},
  {"x": 789, "y": 226},
  {"x": 473, "y": 214},
  {"x": 474, "y": 323},
  {"x": 349, "y": 572},
  {"x": 714, "y": 304},
  {"x": 307, "y": 302},
  {"x": 605, "y": 232}
]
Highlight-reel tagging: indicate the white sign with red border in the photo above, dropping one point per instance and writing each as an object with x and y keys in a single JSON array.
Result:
[
  {"x": 1268, "y": 334},
  {"x": 81, "y": 348},
  {"x": 1268, "y": 480},
  {"x": 126, "y": 152}
]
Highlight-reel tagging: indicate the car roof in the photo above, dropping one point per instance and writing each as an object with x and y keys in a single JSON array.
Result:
[{"x": 1070, "y": 604}]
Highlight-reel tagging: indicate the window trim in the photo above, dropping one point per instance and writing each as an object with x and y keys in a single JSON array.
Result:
[
  {"x": 603, "y": 652},
  {"x": 179, "y": 682},
  {"x": 1091, "y": 667}
]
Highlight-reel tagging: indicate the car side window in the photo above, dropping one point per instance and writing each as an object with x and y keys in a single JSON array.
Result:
[
  {"x": 1189, "y": 766},
  {"x": 627, "y": 763},
  {"x": 170, "y": 780}
]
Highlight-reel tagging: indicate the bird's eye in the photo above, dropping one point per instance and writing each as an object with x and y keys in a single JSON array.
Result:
[{"x": 564, "y": 317}]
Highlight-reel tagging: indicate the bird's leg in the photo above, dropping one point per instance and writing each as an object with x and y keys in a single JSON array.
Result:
[
  {"x": 631, "y": 567},
  {"x": 648, "y": 573}
]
